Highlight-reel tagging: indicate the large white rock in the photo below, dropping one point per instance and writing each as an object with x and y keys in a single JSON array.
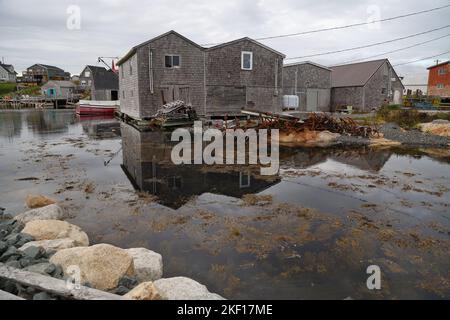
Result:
[
  {"x": 144, "y": 291},
  {"x": 55, "y": 229},
  {"x": 51, "y": 245},
  {"x": 102, "y": 265},
  {"x": 148, "y": 265},
  {"x": 51, "y": 212},
  {"x": 182, "y": 288}
]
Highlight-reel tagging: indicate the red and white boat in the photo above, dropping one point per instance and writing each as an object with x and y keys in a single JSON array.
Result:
[{"x": 92, "y": 107}]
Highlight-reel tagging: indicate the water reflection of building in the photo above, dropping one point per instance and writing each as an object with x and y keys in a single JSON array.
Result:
[
  {"x": 147, "y": 163},
  {"x": 10, "y": 124},
  {"x": 50, "y": 121},
  {"x": 100, "y": 127},
  {"x": 367, "y": 159},
  {"x": 363, "y": 158}
]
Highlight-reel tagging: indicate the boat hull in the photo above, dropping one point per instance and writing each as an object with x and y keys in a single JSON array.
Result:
[{"x": 99, "y": 108}]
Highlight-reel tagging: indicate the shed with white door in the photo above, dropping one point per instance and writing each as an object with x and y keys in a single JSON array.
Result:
[{"x": 311, "y": 83}]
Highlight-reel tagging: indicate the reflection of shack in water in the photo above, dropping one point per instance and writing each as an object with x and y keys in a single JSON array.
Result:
[
  {"x": 147, "y": 163},
  {"x": 101, "y": 127},
  {"x": 363, "y": 158}
]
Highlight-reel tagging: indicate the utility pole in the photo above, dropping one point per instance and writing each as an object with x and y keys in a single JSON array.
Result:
[{"x": 437, "y": 62}]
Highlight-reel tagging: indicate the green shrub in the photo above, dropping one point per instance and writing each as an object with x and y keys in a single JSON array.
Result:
[{"x": 7, "y": 88}]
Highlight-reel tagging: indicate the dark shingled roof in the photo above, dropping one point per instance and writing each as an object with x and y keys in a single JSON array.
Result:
[
  {"x": 104, "y": 79},
  {"x": 8, "y": 67},
  {"x": 356, "y": 74}
]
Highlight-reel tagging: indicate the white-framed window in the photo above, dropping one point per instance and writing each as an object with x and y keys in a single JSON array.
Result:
[
  {"x": 440, "y": 86},
  {"x": 247, "y": 60},
  {"x": 442, "y": 71},
  {"x": 383, "y": 90},
  {"x": 87, "y": 74},
  {"x": 172, "y": 61},
  {"x": 131, "y": 69}
]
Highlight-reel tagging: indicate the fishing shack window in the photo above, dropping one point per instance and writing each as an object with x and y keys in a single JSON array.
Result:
[
  {"x": 172, "y": 61},
  {"x": 247, "y": 60}
]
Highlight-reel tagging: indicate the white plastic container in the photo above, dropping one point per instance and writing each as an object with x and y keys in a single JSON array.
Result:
[{"x": 290, "y": 102}]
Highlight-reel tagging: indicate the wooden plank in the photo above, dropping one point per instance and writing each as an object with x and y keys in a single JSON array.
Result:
[
  {"x": 8, "y": 296},
  {"x": 54, "y": 286}
]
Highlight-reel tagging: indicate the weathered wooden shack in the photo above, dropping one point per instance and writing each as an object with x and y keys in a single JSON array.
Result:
[
  {"x": 102, "y": 84},
  {"x": 58, "y": 89},
  {"x": 365, "y": 86},
  {"x": 311, "y": 83},
  {"x": 216, "y": 81}
]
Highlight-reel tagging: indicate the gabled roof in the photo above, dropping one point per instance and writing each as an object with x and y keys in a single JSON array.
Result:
[
  {"x": 103, "y": 78},
  {"x": 60, "y": 83},
  {"x": 48, "y": 67},
  {"x": 134, "y": 49},
  {"x": 8, "y": 68},
  {"x": 356, "y": 74},
  {"x": 246, "y": 39},
  {"x": 439, "y": 65},
  {"x": 306, "y": 62}
]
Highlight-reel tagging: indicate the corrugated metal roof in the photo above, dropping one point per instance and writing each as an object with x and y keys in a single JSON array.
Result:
[{"x": 354, "y": 75}]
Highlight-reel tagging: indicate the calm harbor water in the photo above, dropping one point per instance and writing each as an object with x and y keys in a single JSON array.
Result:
[{"x": 243, "y": 235}]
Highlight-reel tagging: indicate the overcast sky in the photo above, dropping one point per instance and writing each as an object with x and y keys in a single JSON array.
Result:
[{"x": 36, "y": 31}]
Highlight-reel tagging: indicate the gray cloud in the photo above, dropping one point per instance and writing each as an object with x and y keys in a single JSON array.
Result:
[{"x": 35, "y": 31}]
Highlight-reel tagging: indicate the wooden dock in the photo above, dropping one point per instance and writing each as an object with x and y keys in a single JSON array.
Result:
[{"x": 37, "y": 103}]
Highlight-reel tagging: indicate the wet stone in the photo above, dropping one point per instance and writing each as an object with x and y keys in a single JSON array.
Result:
[
  {"x": 3, "y": 247},
  {"x": 42, "y": 296},
  {"x": 33, "y": 252},
  {"x": 10, "y": 254},
  {"x": 128, "y": 282},
  {"x": 121, "y": 291},
  {"x": 14, "y": 264},
  {"x": 25, "y": 262}
]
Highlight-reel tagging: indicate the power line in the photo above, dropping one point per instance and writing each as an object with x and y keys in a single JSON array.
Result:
[
  {"x": 423, "y": 59},
  {"x": 369, "y": 45},
  {"x": 393, "y": 51},
  {"x": 343, "y": 27}
]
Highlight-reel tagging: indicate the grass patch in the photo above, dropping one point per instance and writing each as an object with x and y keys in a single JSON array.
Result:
[
  {"x": 7, "y": 88},
  {"x": 10, "y": 89},
  {"x": 408, "y": 118}
]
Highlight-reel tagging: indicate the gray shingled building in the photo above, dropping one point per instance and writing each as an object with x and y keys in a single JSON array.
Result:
[
  {"x": 311, "y": 82},
  {"x": 102, "y": 84},
  {"x": 365, "y": 86},
  {"x": 216, "y": 81}
]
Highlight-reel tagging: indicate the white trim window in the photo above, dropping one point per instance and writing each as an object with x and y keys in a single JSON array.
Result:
[
  {"x": 442, "y": 71},
  {"x": 172, "y": 61},
  {"x": 440, "y": 86},
  {"x": 247, "y": 60}
]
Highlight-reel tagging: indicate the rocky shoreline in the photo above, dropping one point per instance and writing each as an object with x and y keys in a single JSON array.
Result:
[{"x": 41, "y": 242}]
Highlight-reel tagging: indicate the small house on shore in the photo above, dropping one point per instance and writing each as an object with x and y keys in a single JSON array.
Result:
[
  {"x": 41, "y": 73},
  {"x": 365, "y": 86},
  {"x": 58, "y": 89},
  {"x": 7, "y": 73},
  {"x": 311, "y": 83},
  {"x": 102, "y": 84},
  {"x": 439, "y": 80},
  {"x": 215, "y": 81}
]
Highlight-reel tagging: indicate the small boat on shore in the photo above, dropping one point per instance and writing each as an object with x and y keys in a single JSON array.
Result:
[{"x": 92, "y": 107}]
